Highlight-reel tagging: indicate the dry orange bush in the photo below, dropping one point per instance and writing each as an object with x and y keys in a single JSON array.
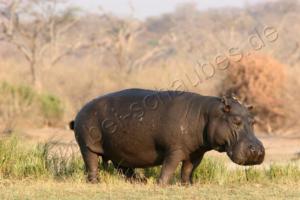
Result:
[{"x": 259, "y": 79}]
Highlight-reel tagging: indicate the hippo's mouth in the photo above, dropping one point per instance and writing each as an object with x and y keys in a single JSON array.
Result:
[
  {"x": 221, "y": 148},
  {"x": 230, "y": 154},
  {"x": 234, "y": 159},
  {"x": 241, "y": 159}
]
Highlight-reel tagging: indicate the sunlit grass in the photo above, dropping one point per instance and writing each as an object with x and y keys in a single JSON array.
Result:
[{"x": 21, "y": 160}]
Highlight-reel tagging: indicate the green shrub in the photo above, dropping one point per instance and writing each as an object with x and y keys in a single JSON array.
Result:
[
  {"x": 23, "y": 104},
  {"x": 15, "y": 100},
  {"x": 52, "y": 108},
  {"x": 23, "y": 94}
]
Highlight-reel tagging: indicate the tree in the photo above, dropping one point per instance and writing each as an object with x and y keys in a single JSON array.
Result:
[
  {"x": 39, "y": 31},
  {"x": 121, "y": 37}
]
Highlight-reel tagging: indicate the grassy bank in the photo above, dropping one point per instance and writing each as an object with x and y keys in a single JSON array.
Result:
[
  {"x": 20, "y": 160},
  {"x": 50, "y": 171}
]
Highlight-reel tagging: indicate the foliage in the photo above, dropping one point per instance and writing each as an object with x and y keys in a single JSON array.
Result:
[
  {"x": 258, "y": 80},
  {"x": 20, "y": 102},
  {"x": 52, "y": 108},
  {"x": 172, "y": 47},
  {"x": 35, "y": 29}
]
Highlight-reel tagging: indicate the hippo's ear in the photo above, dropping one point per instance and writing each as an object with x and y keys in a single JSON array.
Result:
[
  {"x": 250, "y": 107},
  {"x": 234, "y": 96},
  {"x": 224, "y": 100},
  {"x": 226, "y": 107}
]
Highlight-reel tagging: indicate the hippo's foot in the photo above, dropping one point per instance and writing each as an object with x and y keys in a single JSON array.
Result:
[
  {"x": 136, "y": 179},
  {"x": 93, "y": 181},
  {"x": 186, "y": 183},
  {"x": 93, "y": 177}
]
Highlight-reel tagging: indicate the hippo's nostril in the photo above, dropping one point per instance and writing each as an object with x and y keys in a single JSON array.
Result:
[
  {"x": 251, "y": 148},
  {"x": 261, "y": 151}
]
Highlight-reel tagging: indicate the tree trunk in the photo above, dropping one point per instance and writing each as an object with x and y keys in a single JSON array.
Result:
[{"x": 34, "y": 76}]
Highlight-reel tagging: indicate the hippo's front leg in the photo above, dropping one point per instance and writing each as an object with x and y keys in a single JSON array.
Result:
[
  {"x": 188, "y": 168},
  {"x": 169, "y": 166}
]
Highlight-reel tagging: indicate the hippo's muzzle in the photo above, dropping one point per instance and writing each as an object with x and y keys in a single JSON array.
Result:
[{"x": 246, "y": 153}]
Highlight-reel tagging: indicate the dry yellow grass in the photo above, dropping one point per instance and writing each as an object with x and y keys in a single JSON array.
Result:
[{"x": 64, "y": 190}]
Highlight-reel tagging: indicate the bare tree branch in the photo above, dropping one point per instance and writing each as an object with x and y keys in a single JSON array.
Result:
[{"x": 40, "y": 34}]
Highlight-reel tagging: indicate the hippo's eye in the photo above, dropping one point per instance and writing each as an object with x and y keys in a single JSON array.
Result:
[
  {"x": 252, "y": 121},
  {"x": 237, "y": 120}
]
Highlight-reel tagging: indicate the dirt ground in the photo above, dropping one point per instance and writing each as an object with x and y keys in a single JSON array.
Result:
[{"x": 279, "y": 149}]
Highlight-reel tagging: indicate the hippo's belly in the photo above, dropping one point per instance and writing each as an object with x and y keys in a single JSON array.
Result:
[{"x": 133, "y": 152}]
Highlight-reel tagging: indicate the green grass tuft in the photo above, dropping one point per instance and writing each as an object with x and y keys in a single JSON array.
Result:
[
  {"x": 19, "y": 160},
  {"x": 211, "y": 170}
]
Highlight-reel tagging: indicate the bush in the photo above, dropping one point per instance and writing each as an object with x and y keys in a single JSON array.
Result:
[
  {"x": 258, "y": 80},
  {"x": 14, "y": 102},
  {"x": 22, "y": 103},
  {"x": 52, "y": 108}
]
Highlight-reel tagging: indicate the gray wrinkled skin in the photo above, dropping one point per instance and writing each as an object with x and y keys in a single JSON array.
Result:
[{"x": 138, "y": 128}]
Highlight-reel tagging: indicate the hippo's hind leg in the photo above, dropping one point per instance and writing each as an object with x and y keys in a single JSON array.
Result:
[
  {"x": 88, "y": 136},
  {"x": 90, "y": 157},
  {"x": 91, "y": 164}
]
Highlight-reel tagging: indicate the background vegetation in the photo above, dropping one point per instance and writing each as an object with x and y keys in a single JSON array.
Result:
[{"x": 75, "y": 55}]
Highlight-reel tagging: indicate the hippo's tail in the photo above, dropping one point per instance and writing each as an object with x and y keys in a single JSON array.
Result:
[{"x": 72, "y": 124}]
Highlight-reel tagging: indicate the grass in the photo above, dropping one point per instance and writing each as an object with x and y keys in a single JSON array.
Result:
[
  {"x": 48, "y": 171},
  {"x": 20, "y": 160},
  {"x": 68, "y": 190}
]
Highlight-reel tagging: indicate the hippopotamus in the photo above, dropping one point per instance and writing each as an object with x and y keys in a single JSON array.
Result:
[{"x": 137, "y": 128}]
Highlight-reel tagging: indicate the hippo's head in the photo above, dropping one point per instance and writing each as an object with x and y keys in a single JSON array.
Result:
[{"x": 230, "y": 130}]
